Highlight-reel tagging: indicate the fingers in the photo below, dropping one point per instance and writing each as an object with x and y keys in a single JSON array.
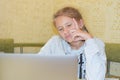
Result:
[
  {"x": 76, "y": 25},
  {"x": 76, "y": 35}
]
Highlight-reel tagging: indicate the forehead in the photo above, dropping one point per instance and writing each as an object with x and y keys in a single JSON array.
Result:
[{"x": 61, "y": 20}]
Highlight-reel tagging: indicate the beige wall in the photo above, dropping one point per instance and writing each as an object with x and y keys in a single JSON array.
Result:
[
  {"x": 30, "y": 21},
  {"x": 26, "y": 20}
]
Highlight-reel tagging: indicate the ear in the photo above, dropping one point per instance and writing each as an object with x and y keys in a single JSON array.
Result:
[{"x": 81, "y": 23}]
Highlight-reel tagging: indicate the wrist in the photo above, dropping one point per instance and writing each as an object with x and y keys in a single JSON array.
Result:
[{"x": 89, "y": 37}]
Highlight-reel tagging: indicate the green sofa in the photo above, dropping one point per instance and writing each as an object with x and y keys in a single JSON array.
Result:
[
  {"x": 7, "y": 45},
  {"x": 113, "y": 52}
]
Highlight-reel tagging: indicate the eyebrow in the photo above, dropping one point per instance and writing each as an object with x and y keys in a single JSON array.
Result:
[
  {"x": 65, "y": 24},
  {"x": 68, "y": 23}
]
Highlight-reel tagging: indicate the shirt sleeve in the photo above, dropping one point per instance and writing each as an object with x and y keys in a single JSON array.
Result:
[
  {"x": 47, "y": 49},
  {"x": 52, "y": 47},
  {"x": 95, "y": 59}
]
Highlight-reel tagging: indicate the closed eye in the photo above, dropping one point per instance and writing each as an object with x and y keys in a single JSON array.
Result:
[
  {"x": 69, "y": 25},
  {"x": 60, "y": 29}
]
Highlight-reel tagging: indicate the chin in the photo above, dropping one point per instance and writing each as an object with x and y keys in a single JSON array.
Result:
[{"x": 69, "y": 41}]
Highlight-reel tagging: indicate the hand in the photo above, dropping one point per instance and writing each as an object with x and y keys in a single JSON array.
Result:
[{"x": 79, "y": 34}]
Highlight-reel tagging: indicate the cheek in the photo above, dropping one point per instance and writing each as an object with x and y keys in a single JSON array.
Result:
[{"x": 61, "y": 34}]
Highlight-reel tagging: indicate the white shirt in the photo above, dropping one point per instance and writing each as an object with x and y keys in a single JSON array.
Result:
[{"x": 94, "y": 51}]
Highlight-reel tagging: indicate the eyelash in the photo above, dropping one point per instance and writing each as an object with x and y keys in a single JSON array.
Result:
[
  {"x": 60, "y": 29},
  {"x": 69, "y": 25}
]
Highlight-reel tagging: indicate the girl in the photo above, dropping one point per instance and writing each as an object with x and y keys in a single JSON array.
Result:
[{"x": 74, "y": 39}]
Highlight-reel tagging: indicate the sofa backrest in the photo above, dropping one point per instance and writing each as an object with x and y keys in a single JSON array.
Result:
[
  {"x": 113, "y": 51},
  {"x": 7, "y": 45}
]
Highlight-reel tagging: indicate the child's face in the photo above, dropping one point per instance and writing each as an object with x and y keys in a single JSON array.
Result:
[{"x": 64, "y": 26}]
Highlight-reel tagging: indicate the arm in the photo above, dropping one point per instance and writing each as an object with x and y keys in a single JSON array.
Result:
[
  {"x": 52, "y": 47},
  {"x": 47, "y": 48},
  {"x": 95, "y": 60},
  {"x": 94, "y": 52}
]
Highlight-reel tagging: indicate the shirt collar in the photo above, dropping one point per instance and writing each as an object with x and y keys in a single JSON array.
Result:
[{"x": 69, "y": 50}]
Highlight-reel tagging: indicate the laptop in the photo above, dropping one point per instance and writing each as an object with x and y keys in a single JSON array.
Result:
[{"x": 38, "y": 67}]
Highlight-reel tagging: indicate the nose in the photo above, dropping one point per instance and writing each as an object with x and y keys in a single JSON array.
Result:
[{"x": 66, "y": 30}]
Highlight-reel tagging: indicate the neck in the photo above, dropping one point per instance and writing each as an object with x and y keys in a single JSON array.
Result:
[{"x": 76, "y": 44}]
